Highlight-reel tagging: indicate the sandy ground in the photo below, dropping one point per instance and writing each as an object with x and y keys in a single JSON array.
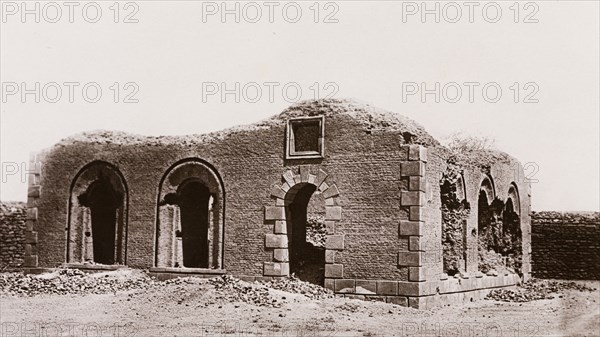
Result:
[{"x": 192, "y": 310}]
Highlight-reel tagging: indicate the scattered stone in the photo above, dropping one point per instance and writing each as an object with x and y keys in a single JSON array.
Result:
[
  {"x": 535, "y": 290},
  {"x": 72, "y": 281},
  {"x": 292, "y": 284}
]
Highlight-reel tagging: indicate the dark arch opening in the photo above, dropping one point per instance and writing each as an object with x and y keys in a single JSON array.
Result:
[
  {"x": 483, "y": 212},
  {"x": 104, "y": 202},
  {"x": 512, "y": 237},
  {"x": 194, "y": 202},
  {"x": 307, "y": 255}
]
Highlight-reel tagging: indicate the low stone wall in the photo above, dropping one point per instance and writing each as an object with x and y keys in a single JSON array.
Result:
[
  {"x": 12, "y": 235},
  {"x": 566, "y": 245}
]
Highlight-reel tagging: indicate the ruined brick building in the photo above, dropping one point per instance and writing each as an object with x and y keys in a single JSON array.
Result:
[{"x": 338, "y": 192}]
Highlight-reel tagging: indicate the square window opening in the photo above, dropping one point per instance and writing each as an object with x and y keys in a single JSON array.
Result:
[{"x": 305, "y": 138}]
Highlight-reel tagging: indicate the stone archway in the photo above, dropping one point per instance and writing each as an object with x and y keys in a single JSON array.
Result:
[
  {"x": 97, "y": 229},
  {"x": 190, "y": 224},
  {"x": 287, "y": 216}
]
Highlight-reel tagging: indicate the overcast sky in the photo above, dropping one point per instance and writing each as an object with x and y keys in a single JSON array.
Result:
[{"x": 173, "y": 60}]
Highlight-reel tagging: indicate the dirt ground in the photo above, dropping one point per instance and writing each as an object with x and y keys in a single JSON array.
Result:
[{"x": 196, "y": 310}]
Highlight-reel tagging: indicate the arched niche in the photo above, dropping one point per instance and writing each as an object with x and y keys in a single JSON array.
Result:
[
  {"x": 513, "y": 197},
  {"x": 455, "y": 211},
  {"x": 97, "y": 228},
  {"x": 511, "y": 230},
  {"x": 191, "y": 206}
]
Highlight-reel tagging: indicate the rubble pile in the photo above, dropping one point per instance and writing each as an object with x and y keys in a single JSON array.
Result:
[
  {"x": 70, "y": 281},
  {"x": 294, "y": 285},
  {"x": 231, "y": 289},
  {"x": 227, "y": 289},
  {"x": 535, "y": 290}
]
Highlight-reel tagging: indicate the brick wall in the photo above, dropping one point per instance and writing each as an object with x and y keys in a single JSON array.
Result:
[
  {"x": 362, "y": 159},
  {"x": 566, "y": 245},
  {"x": 12, "y": 234}
]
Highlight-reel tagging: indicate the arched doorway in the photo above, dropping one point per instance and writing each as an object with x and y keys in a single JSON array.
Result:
[
  {"x": 303, "y": 216},
  {"x": 191, "y": 204},
  {"x": 97, "y": 216},
  {"x": 306, "y": 221}
]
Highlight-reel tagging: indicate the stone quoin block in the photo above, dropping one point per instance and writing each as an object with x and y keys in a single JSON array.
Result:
[
  {"x": 333, "y": 213},
  {"x": 416, "y": 183},
  {"x": 411, "y": 228},
  {"x": 412, "y": 168},
  {"x": 344, "y": 286},
  {"x": 276, "y": 269},
  {"x": 410, "y": 259},
  {"x": 412, "y": 198},
  {"x": 329, "y": 284},
  {"x": 408, "y": 288},
  {"x": 334, "y": 270},
  {"x": 274, "y": 213},
  {"x": 276, "y": 241},
  {"x": 32, "y": 202},
  {"x": 29, "y": 225},
  {"x": 281, "y": 255},
  {"x": 417, "y": 152},
  {"x": 32, "y": 214},
  {"x": 414, "y": 243},
  {"x": 416, "y": 274},
  {"x": 387, "y": 288},
  {"x": 416, "y": 214},
  {"x": 329, "y": 256},
  {"x": 366, "y": 287},
  {"x": 330, "y": 226},
  {"x": 334, "y": 242},
  {"x": 416, "y": 302},
  {"x": 33, "y": 191},
  {"x": 31, "y": 237},
  {"x": 280, "y": 227},
  {"x": 332, "y": 191}
]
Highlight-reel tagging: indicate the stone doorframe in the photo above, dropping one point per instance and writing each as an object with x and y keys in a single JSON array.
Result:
[{"x": 277, "y": 215}]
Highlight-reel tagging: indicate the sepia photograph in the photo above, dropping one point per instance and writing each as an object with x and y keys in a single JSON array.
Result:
[{"x": 300, "y": 168}]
